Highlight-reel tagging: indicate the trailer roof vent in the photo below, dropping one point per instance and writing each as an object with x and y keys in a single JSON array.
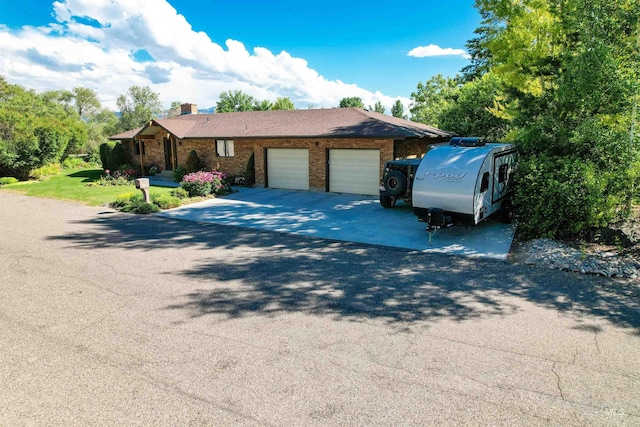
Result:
[{"x": 466, "y": 142}]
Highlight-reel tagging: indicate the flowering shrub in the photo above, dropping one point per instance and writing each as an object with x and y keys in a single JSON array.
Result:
[
  {"x": 203, "y": 183},
  {"x": 126, "y": 172},
  {"x": 153, "y": 170},
  {"x": 123, "y": 176}
]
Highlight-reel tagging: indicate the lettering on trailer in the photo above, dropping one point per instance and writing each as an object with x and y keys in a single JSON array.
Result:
[{"x": 447, "y": 176}]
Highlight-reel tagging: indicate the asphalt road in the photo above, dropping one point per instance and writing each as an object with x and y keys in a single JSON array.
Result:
[{"x": 115, "y": 319}]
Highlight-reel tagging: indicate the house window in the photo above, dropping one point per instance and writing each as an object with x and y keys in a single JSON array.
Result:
[
  {"x": 484, "y": 186},
  {"x": 136, "y": 144},
  {"x": 224, "y": 148}
]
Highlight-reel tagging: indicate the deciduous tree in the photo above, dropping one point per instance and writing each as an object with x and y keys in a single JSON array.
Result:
[
  {"x": 137, "y": 107},
  {"x": 431, "y": 98},
  {"x": 234, "y": 101},
  {"x": 378, "y": 108},
  {"x": 283, "y": 103},
  {"x": 352, "y": 101},
  {"x": 397, "y": 110}
]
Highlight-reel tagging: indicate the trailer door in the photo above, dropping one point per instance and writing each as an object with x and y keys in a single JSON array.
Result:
[{"x": 503, "y": 169}]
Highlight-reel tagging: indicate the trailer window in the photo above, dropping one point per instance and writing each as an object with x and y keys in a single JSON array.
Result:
[
  {"x": 484, "y": 186},
  {"x": 502, "y": 173}
]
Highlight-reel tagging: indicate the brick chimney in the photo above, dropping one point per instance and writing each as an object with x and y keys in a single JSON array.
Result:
[{"x": 188, "y": 109}]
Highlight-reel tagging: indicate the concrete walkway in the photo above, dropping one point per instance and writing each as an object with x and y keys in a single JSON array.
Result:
[{"x": 345, "y": 217}]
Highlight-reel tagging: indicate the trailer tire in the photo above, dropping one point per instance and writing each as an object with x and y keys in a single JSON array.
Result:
[
  {"x": 387, "y": 202},
  {"x": 395, "y": 182},
  {"x": 507, "y": 212}
]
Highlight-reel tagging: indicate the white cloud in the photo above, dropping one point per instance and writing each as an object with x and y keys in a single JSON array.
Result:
[
  {"x": 92, "y": 44},
  {"x": 435, "y": 50}
]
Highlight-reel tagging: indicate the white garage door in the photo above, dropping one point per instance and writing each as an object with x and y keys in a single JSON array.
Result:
[
  {"x": 354, "y": 171},
  {"x": 288, "y": 168}
]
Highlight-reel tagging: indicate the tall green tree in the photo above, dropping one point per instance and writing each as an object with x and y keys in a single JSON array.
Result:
[
  {"x": 431, "y": 98},
  {"x": 378, "y": 108},
  {"x": 569, "y": 71},
  {"x": 397, "y": 110},
  {"x": 175, "y": 109},
  {"x": 234, "y": 101},
  {"x": 137, "y": 107},
  {"x": 283, "y": 103},
  {"x": 352, "y": 101},
  {"x": 263, "y": 105},
  {"x": 469, "y": 113},
  {"x": 86, "y": 101}
]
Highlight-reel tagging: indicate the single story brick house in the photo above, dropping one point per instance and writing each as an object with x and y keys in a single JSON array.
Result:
[{"x": 339, "y": 150}]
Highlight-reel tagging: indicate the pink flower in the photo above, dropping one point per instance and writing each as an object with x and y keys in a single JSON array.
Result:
[{"x": 106, "y": 171}]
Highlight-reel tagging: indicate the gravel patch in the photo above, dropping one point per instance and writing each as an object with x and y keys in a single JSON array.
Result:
[{"x": 612, "y": 252}]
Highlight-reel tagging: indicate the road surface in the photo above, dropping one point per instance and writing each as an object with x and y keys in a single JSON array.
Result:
[{"x": 116, "y": 319}]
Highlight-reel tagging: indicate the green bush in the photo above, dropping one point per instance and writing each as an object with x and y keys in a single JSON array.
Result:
[
  {"x": 104, "y": 149},
  {"x": 138, "y": 207},
  {"x": 152, "y": 170},
  {"x": 46, "y": 170},
  {"x": 126, "y": 199},
  {"x": 180, "y": 193},
  {"x": 562, "y": 196},
  {"x": 250, "y": 174},
  {"x": 111, "y": 155},
  {"x": 193, "y": 163},
  {"x": 166, "y": 201},
  {"x": 74, "y": 163},
  {"x": 179, "y": 173},
  {"x": 116, "y": 159},
  {"x": 93, "y": 156},
  {"x": 6, "y": 180},
  {"x": 133, "y": 203}
]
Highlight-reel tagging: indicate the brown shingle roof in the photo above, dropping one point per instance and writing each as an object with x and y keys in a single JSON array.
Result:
[{"x": 334, "y": 122}]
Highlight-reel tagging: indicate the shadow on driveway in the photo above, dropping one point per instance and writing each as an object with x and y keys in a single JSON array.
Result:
[{"x": 251, "y": 272}]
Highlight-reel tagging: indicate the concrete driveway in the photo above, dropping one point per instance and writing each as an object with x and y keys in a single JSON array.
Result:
[{"x": 345, "y": 217}]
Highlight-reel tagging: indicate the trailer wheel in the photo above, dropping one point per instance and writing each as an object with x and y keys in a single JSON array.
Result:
[
  {"x": 387, "y": 202},
  {"x": 507, "y": 212},
  {"x": 395, "y": 182}
]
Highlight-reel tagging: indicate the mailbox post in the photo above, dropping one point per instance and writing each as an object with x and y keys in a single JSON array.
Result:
[{"x": 142, "y": 184}]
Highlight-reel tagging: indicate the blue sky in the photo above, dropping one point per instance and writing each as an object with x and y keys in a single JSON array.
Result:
[{"x": 314, "y": 52}]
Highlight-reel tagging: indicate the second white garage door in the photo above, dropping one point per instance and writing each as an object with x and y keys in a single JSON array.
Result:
[
  {"x": 354, "y": 171},
  {"x": 288, "y": 168}
]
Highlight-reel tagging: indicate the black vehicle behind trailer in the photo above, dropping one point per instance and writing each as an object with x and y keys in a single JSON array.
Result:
[{"x": 397, "y": 181}]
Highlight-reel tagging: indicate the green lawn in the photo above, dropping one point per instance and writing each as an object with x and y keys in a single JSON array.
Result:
[{"x": 71, "y": 184}]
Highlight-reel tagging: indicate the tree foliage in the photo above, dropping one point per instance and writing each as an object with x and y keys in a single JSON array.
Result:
[
  {"x": 352, "y": 101},
  {"x": 468, "y": 111},
  {"x": 86, "y": 101},
  {"x": 431, "y": 98},
  {"x": 397, "y": 110},
  {"x": 283, "y": 103},
  {"x": 175, "y": 109},
  {"x": 35, "y": 129},
  {"x": 234, "y": 101},
  {"x": 569, "y": 75},
  {"x": 137, "y": 107},
  {"x": 263, "y": 105},
  {"x": 378, "y": 108}
]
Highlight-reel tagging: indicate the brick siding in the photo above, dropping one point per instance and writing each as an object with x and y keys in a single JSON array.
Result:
[{"x": 243, "y": 148}]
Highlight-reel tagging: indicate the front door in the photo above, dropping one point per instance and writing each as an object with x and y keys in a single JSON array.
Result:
[{"x": 168, "y": 154}]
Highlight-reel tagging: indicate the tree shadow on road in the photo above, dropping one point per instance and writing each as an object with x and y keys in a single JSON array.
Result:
[{"x": 248, "y": 272}]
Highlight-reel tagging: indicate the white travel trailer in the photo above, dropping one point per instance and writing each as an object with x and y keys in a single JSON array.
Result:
[{"x": 463, "y": 182}]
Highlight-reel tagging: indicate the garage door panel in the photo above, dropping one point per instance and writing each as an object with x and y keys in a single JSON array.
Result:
[
  {"x": 288, "y": 168},
  {"x": 354, "y": 171}
]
